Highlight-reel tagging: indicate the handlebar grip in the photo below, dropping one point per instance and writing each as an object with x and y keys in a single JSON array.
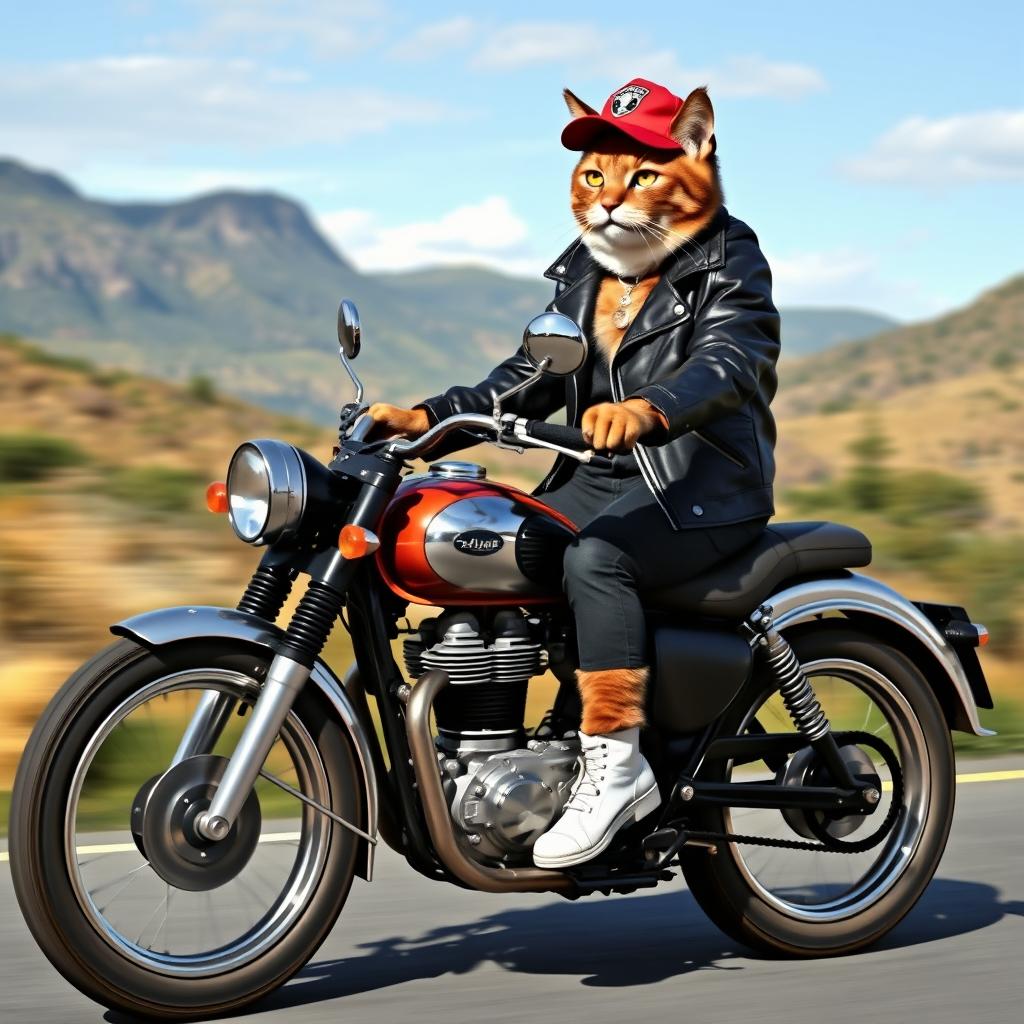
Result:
[{"x": 557, "y": 433}]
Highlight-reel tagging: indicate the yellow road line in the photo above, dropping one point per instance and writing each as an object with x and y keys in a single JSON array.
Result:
[
  {"x": 1003, "y": 776},
  {"x": 270, "y": 837},
  {"x": 1006, "y": 775}
]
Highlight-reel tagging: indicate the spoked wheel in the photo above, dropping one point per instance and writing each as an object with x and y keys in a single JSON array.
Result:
[
  {"x": 123, "y": 895},
  {"x": 865, "y": 872}
]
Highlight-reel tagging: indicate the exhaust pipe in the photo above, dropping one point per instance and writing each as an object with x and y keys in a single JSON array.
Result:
[{"x": 439, "y": 820}]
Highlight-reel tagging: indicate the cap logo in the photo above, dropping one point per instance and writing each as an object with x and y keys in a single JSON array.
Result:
[{"x": 627, "y": 99}]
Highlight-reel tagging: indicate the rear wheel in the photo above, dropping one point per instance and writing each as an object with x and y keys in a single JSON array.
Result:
[
  {"x": 822, "y": 903},
  {"x": 137, "y": 916}
]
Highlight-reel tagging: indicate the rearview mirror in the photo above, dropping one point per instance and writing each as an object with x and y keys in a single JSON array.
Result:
[
  {"x": 555, "y": 344},
  {"x": 349, "y": 331}
]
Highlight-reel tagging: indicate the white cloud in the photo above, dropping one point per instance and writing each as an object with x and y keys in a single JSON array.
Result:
[
  {"x": 845, "y": 277},
  {"x": 541, "y": 42},
  {"x": 438, "y": 37},
  {"x": 329, "y": 29},
  {"x": 964, "y": 148},
  {"x": 487, "y": 233},
  {"x": 63, "y": 113},
  {"x": 582, "y": 46}
]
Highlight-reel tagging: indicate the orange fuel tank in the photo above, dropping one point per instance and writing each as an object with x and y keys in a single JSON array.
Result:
[{"x": 451, "y": 537}]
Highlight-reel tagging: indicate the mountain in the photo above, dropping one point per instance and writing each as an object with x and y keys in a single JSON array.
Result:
[
  {"x": 988, "y": 334},
  {"x": 807, "y": 329},
  {"x": 242, "y": 287}
]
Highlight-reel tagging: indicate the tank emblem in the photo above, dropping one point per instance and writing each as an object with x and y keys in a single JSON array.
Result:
[{"x": 478, "y": 542}]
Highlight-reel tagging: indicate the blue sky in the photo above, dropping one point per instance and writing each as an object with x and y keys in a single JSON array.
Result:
[{"x": 876, "y": 148}]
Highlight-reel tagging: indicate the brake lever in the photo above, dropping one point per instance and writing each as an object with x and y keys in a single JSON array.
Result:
[{"x": 516, "y": 426}]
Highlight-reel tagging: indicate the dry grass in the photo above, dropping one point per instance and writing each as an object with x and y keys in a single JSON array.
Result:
[{"x": 73, "y": 558}]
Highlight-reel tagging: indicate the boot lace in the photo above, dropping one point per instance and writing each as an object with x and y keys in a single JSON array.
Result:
[{"x": 593, "y": 763}]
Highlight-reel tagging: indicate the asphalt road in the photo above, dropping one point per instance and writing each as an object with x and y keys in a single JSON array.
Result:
[{"x": 406, "y": 949}]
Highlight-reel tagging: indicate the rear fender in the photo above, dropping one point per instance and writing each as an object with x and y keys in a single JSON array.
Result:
[
  {"x": 890, "y": 614},
  {"x": 156, "y": 629}
]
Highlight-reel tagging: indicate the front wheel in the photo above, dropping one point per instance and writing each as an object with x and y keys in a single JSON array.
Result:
[
  {"x": 813, "y": 903},
  {"x": 127, "y": 908}
]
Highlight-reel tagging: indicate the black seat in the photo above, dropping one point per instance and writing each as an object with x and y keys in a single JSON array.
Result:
[{"x": 735, "y": 587}]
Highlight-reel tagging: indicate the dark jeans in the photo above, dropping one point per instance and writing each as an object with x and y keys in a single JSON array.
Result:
[{"x": 626, "y": 546}]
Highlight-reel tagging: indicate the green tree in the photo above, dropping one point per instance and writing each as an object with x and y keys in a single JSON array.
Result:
[
  {"x": 869, "y": 481},
  {"x": 202, "y": 390}
]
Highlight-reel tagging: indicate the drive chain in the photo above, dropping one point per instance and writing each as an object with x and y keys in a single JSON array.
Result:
[{"x": 831, "y": 844}]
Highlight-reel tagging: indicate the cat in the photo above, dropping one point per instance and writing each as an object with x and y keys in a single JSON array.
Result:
[{"x": 636, "y": 205}]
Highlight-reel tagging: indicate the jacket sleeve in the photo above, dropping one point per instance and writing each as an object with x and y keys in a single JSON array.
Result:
[
  {"x": 734, "y": 347},
  {"x": 538, "y": 401}
]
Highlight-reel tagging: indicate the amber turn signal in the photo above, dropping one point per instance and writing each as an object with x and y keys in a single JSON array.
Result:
[
  {"x": 356, "y": 541},
  {"x": 217, "y": 497}
]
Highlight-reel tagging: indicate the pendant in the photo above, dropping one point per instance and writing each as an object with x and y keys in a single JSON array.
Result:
[{"x": 621, "y": 317}]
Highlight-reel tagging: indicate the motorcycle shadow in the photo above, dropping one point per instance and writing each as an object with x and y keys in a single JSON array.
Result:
[
  {"x": 625, "y": 942},
  {"x": 636, "y": 940}
]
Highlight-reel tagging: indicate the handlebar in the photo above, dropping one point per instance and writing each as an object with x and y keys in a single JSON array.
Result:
[
  {"x": 557, "y": 433},
  {"x": 564, "y": 437},
  {"x": 410, "y": 449}
]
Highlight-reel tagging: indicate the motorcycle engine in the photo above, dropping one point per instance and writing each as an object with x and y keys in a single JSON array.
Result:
[{"x": 503, "y": 791}]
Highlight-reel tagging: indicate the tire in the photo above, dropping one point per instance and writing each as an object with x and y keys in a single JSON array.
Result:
[
  {"x": 42, "y": 875},
  {"x": 727, "y": 891}
]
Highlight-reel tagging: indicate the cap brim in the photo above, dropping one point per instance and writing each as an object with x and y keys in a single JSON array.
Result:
[{"x": 579, "y": 133}]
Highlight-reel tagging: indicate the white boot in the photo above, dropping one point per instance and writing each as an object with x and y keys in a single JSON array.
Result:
[{"x": 615, "y": 787}]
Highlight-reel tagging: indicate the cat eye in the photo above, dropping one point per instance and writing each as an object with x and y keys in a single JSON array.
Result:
[
  {"x": 644, "y": 178},
  {"x": 595, "y": 179}
]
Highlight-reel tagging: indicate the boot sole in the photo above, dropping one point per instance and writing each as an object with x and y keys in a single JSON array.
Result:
[{"x": 639, "y": 808}]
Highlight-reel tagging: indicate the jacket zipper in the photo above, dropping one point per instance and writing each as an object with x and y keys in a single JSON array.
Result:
[
  {"x": 642, "y": 458},
  {"x": 718, "y": 448}
]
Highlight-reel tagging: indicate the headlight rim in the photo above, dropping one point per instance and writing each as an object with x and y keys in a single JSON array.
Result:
[{"x": 288, "y": 490}]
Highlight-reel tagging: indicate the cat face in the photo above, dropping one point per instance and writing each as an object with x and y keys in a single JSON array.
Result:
[{"x": 636, "y": 205}]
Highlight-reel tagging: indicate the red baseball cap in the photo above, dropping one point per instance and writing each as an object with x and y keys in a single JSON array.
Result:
[{"x": 640, "y": 109}]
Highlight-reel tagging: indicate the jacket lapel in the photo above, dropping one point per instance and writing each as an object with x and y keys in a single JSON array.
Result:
[{"x": 578, "y": 276}]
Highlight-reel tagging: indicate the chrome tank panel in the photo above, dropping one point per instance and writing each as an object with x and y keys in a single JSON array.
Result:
[{"x": 457, "y": 542}]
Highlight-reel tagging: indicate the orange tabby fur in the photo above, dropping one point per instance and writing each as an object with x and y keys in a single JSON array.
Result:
[
  {"x": 678, "y": 205},
  {"x": 604, "y": 331},
  {"x": 613, "y": 699}
]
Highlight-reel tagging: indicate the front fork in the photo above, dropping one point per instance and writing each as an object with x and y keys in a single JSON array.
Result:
[{"x": 293, "y": 662}]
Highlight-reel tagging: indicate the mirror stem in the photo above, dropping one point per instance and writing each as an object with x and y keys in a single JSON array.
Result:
[
  {"x": 352, "y": 376},
  {"x": 540, "y": 371}
]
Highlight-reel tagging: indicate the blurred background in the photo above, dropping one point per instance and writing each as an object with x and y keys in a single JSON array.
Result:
[{"x": 187, "y": 190}]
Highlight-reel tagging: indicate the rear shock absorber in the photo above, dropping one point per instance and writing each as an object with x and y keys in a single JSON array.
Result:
[
  {"x": 794, "y": 686},
  {"x": 798, "y": 696}
]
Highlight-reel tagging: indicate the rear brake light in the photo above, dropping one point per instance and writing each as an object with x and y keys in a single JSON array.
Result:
[{"x": 964, "y": 633}]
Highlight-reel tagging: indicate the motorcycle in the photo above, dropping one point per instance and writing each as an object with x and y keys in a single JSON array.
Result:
[{"x": 195, "y": 802}]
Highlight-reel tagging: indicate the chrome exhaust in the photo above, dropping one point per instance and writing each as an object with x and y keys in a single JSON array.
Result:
[{"x": 482, "y": 877}]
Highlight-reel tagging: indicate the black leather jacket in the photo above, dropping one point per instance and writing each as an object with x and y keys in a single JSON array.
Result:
[{"x": 702, "y": 350}]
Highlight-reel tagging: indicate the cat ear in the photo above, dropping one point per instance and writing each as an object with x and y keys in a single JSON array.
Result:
[
  {"x": 576, "y": 106},
  {"x": 694, "y": 126}
]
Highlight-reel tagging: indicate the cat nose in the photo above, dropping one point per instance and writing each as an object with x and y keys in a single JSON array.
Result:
[{"x": 610, "y": 204}]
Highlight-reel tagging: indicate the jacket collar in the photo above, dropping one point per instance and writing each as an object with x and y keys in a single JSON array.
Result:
[{"x": 705, "y": 251}]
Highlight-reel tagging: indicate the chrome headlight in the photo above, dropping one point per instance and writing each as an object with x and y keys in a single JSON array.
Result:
[{"x": 266, "y": 488}]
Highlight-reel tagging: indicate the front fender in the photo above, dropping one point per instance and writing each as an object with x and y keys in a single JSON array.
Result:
[
  {"x": 171, "y": 625},
  {"x": 862, "y": 595}
]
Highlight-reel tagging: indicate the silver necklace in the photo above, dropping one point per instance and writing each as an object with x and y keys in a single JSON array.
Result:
[{"x": 621, "y": 317}]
